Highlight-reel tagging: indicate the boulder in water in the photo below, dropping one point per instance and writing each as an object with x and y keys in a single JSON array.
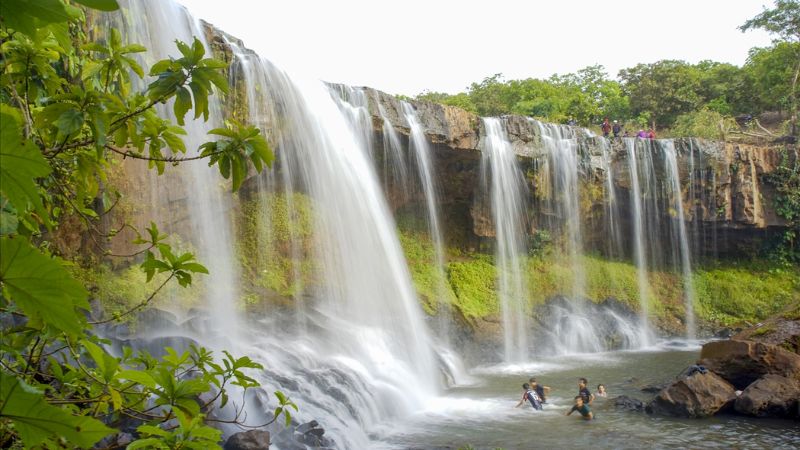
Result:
[
  {"x": 743, "y": 362},
  {"x": 248, "y": 440},
  {"x": 771, "y": 396},
  {"x": 628, "y": 403},
  {"x": 698, "y": 395}
]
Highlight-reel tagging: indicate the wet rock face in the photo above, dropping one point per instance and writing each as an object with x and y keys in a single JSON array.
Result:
[
  {"x": 743, "y": 362},
  {"x": 771, "y": 396},
  {"x": 248, "y": 440},
  {"x": 698, "y": 395}
]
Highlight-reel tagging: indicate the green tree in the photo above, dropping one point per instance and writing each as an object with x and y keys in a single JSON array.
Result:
[
  {"x": 783, "y": 21},
  {"x": 67, "y": 110},
  {"x": 662, "y": 90}
]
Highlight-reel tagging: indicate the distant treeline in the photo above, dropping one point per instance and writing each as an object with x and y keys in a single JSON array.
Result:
[{"x": 667, "y": 94}]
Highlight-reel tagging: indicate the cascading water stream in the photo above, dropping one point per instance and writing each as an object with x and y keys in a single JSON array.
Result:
[
  {"x": 422, "y": 155},
  {"x": 639, "y": 255},
  {"x": 159, "y": 24},
  {"x": 367, "y": 325},
  {"x": 506, "y": 187},
  {"x": 561, "y": 146},
  {"x": 612, "y": 211},
  {"x": 673, "y": 176}
]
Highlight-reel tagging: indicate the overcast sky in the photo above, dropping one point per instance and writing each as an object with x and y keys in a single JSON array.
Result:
[{"x": 407, "y": 46}]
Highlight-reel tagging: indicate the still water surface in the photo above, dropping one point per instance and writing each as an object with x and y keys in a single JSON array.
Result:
[{"x": 483, "y": 415}]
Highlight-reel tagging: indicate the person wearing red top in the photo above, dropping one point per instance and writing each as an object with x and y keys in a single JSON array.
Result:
[
  {"x": 606, "y": 127},
  {"x": 651, "y": 134}
]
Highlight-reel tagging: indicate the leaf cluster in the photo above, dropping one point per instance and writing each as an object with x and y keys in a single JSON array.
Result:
[{"x": 68, "y": 108}]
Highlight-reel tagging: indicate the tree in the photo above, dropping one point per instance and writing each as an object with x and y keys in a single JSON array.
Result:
[
  {"x": 662, "y": 90},
  {"x": 67, "y": 109},
  {"x": 783, "y": 21}
]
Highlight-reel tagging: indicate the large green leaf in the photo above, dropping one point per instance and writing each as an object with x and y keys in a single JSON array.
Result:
[
  {"x": 40, "y": 286},
  {"x": 20, "y": 163},
  {"x": 29, "y": 15},
  {"x": 103, "y": 5},
  {"x": 36, "y": 421}
]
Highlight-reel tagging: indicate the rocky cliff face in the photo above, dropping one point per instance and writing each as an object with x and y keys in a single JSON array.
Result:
[{"x": 725, "y": 196}]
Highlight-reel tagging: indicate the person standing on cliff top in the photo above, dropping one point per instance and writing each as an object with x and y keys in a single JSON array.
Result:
[
  {"x": 606, "y": 127},
  {"x": 617, "y": 129}
]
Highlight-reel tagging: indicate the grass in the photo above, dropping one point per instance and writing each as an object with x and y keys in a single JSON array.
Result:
[{"x": 732, "y": 293}]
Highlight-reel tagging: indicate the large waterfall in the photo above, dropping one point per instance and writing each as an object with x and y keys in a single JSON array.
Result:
[{"x": 348, "y": 339}]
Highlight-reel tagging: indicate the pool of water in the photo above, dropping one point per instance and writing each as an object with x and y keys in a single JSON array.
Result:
[{"x": 482, "y": 415}]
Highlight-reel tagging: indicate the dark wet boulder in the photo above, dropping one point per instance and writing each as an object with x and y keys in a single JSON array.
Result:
[
  {"x": 743, "y": 362},
  {"x": 248, "y": 440},
  {"x": 626, "y": 403},
  {"x": 654, "y": 388},
  {"x": 697, "y": 395},
  {"x": 771, "y": 396}
]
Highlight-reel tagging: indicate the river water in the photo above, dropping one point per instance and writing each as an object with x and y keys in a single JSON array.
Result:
[{"x": 483, "y": 415}]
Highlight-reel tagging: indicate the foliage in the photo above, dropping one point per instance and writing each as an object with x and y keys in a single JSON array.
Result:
[
  {"x": 784, "y": 21},
  {"x": 733, "y": 293},
  {"x": 655, "y": 94},
  {"x": 786, "y": 181},
  {"x": 67, "y": 108},
  {"x": 474, "y": 284},
  {"x": 705, "y": 123}
]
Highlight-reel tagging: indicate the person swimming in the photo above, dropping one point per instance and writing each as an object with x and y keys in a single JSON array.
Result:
[
  {"x": 582, "y": 408},
  {"x": 601, "y": 391},
  {"x": 531, "y": 396},
  {"x": 540, "y": 389}
]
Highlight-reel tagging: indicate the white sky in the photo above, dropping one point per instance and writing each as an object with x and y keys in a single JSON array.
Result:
[{"x": 407, "y": 46}]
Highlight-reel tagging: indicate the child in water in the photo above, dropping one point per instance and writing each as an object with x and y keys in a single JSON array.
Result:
[
  {"x": 531, "y": 396},
  {"x": 582, "y": 408},
  {"x": 601, "y": 391}
]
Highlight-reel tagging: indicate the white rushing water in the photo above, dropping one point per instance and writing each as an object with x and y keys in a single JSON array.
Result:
[
  {"x": 639, "y": 255},
  {"x": 367, "y": 324},
  {"x": 673, "y": 177},
  {"x": 562, "y": 149},
  {"x": 158, "y": 25},
  {"x": 507, "y": 191},
  {"x": 422, "y": 155}
]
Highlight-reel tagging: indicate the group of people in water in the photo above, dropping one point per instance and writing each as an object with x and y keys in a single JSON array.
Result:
[
  {"x": 536, "y": 394},
  {"x": 616, "y": 129}
]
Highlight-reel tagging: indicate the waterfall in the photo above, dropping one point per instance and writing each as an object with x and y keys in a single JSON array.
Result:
[
  {"x": 157, "y": 26},
  {"x": 639, "y": 255},
  {"x": 366, "y": 325},
  {"x": 395, "y": 169},
  {"x": 673, "y": 178},
  {"x": 562, "y": 150},
  {"x": 422, "y": 156},
  {"x": 612, "y": 219},
  {"x": 506, "y": 187}
]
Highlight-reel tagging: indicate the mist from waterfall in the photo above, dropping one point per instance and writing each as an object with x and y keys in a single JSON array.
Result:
[{"x": 507, "y": 192}]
